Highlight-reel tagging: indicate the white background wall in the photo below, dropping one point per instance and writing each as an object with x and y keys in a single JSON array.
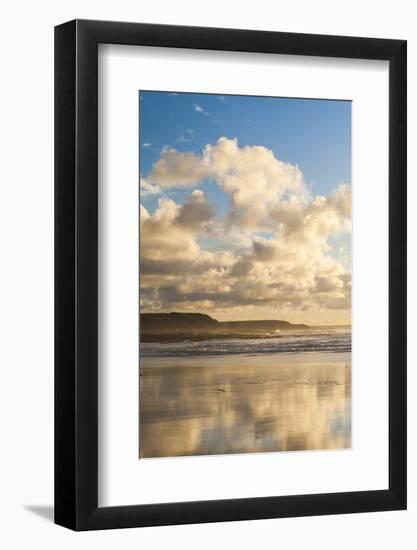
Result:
[{"x": 26, "y": 287}]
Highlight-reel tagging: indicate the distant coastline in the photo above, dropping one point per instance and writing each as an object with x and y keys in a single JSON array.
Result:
[{"x": 177, "y": 327}]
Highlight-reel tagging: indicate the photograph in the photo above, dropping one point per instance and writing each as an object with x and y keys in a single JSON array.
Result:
[
  {"x": 245, "y": 274},
  {"x": 208, "y": 275}
]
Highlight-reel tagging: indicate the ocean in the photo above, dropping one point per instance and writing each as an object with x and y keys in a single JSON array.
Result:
[{"x": 324, "y": 339}]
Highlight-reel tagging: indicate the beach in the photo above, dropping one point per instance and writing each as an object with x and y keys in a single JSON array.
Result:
[{"x": 206, "y": 404}]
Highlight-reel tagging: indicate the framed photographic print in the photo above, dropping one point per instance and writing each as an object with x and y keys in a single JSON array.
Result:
[{"x": 230, "y": 244}]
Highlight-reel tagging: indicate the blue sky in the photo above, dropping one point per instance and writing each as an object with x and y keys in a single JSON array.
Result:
[
  {"x": 313, "y": 134},
  {"x": 246, "y": 206}
]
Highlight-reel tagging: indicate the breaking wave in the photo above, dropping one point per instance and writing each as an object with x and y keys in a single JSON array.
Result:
[{"x": 326, "y": 340}]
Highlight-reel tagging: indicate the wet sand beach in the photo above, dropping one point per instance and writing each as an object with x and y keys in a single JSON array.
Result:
[{"x": 206, "y": 405}]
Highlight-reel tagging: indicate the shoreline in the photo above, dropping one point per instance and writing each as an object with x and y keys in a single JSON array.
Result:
[
  {"x": 171, "y": 338},
  {"x": 276, "y": 359}
]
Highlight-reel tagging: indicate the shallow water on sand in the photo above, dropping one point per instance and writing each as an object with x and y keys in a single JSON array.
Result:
[{"x": 242, "y": 403}]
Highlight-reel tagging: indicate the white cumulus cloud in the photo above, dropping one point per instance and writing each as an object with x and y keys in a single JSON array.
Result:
[{"x": 270, "y": 250}]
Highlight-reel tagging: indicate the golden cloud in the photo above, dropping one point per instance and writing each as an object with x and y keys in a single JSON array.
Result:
[{"x": 293, "y": 268}]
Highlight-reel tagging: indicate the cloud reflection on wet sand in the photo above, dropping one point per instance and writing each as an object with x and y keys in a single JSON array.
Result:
[{"x": 215, "y": 405}]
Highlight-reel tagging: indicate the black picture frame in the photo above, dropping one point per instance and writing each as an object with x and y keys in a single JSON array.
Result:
[{"x": 76, "y": 272}]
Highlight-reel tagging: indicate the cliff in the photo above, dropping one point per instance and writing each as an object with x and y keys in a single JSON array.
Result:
[
  {"x": 198, "y": 326},
  {"x": 167, "y": 322}
]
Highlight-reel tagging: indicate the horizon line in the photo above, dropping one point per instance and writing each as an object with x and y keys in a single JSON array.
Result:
[{"x": 244, "y": 320}]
